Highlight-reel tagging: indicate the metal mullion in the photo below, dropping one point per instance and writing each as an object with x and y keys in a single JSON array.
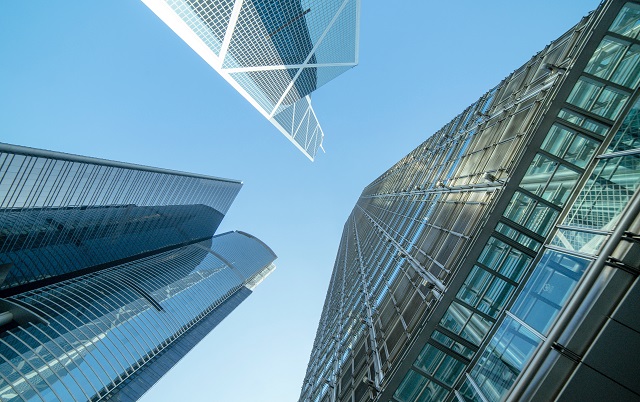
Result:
[
  {"x": 113, "y": 295},
  {"x": 13, "y": 188},
  {"x": 142, "y": 324},
  {"x": 11, "y": 388},
  {"x": 46, "y": 363},
  {"x": 23, "y": 377},
  {"x": 81, "y": 295},
  {"x": 50, "y": 298}
]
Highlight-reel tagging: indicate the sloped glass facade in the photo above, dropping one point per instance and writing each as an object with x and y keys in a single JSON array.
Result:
[
  {"x": 100, "y": 331},
  {"x": 110, "y": 273},
  {"x": 468, "y": 271},
  {"x": 274, "y": 53}
]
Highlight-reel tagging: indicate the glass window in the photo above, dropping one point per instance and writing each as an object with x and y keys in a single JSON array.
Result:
[
  {"x": 410, "y": 388},
  {"x": 468, "y": 392},
  {"x": 606, "y": 194},
  {"x": 485, "y": 291},
  {"x": 504, "y": 358},
  {"x": 560, "y": 185},
  {"x": 579, "y": 120},
  {"x": 584, "y": 93},
  {"x": 549, "y": 287},
  {"x": 605, "y": 58},
  {"x": 533, "y": 215},
  {"x": 588, "y": 243},
  {"x": 452, "y": 344},
  {"x": 558, "y": 140},
  {"x": 609, "y": 103},
  {"x": 627, "y": 22},
  {"x": 464, "y": 322},
  {"x": 628, "y": 71},
  {"x": 581, "y": 151},
  {"x": 628, "y": 136}
]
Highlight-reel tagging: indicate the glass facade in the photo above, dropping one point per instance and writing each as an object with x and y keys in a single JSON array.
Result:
[
  {"x": 274, "y": 53},
  {"x": 61, "y": 214},
  {"x": 458, "y": 265},
  {"x": 111, "y": 273}
]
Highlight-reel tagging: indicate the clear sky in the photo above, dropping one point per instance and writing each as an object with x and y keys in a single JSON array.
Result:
[{"x": 109, "y": 79}]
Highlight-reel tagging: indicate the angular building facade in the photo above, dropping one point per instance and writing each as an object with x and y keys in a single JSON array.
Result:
[
  {"x": 499, "y": 259},
  {"x": 274, "y": 53},
  {"x": 110, "y": 273}
]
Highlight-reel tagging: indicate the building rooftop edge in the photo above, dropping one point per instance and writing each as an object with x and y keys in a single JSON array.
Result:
[{"x": 22, "y": 150}]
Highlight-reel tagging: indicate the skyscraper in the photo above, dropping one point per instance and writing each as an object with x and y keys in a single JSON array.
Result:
[
  {"x": 111, "y": 272},
  {"x": 273, "y": 53},
  {"x": 499, "y": 259}
]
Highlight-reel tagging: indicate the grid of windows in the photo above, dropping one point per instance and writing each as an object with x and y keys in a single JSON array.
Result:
[
  {"x": 102, "y": 329},
  {"x": 277, "y": 52},
  {"x": 406, "y": 243}
]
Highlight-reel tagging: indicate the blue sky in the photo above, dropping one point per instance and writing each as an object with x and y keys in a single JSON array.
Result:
[{"x": 109, "y": 79}]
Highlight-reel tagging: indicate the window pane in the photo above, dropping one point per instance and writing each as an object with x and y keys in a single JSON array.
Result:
[
  {"x": 584, "y": 93},
  {"x": 609, "y": 103},
  {"x": 558, "y": 140},
  {"x": 628, "y": 71},
  {"x": 606, "y": 57},
  {"x": 548, "y": 289},
  {"x": 628, "y": 21},
  {"x": 581, "y": 151},
  {"x": 504, "y": 358}
]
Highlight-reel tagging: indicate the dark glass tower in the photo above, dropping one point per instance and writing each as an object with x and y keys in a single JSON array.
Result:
[
  {"x": 111, "y": 273},
  {"x": 499, "y": 259}
]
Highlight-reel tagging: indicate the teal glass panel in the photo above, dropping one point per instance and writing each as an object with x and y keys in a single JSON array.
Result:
[
  {"x": 584, "y": 122},
  {"x": 628, "y": 136},
  {"x": 627, "y": 72},
  {"x": 549, "y": 287},
  {"x": 561, "y": 185},
  {"x": 468, "y": 392},
  {"x": 475, "y": 284},
  {"x": 558, "y": 140},
  {"x": 584, "y": 93},
  {"x": 609, "y": 103},
  {"x": 581, "y": 151},
  {"x": 464, "y": 322},
  {"x": 521, "y": 238},
  {"x": 606, "y": 57},
  {"x": 429, "y": 359},
  {"x": 504, "y": 358},
  {"x": 538, "y": 174},
  {"x": 541, "y": 219},
  {"x": 586, "y": 243},
  {"x": 410, "y": 388},
  {"x": 627, "y": 22},
  {"x": 606, "y": 194},
  {"x": 514, "y": 264},
  {"x": 519, "y": 208},
  {"x": 493, "y": 253},
  {"x": 449, "y": 370},
  {"x": 485, "y": 291},
  {"x": 452, "y": 344}
]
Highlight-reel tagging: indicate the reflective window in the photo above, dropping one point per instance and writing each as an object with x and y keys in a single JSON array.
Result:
[
  {"x": 504, "y": 358},
  {"x": 597, "y": 98},
  {"x": 584, "y": 122},
  {"x": 464, "y": 322},
  {"x": 545, "y": 293},
  {"x": 628, "y": 21}
]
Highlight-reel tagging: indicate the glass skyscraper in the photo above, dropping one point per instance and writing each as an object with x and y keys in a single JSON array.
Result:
[
  {"x": 499, "y": 260},
  {"x": 274, "y": 53},
  {"x": 111, "y": 272}
]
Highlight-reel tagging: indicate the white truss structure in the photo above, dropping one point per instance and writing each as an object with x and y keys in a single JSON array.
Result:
[{"x": 239, "y": 39}]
